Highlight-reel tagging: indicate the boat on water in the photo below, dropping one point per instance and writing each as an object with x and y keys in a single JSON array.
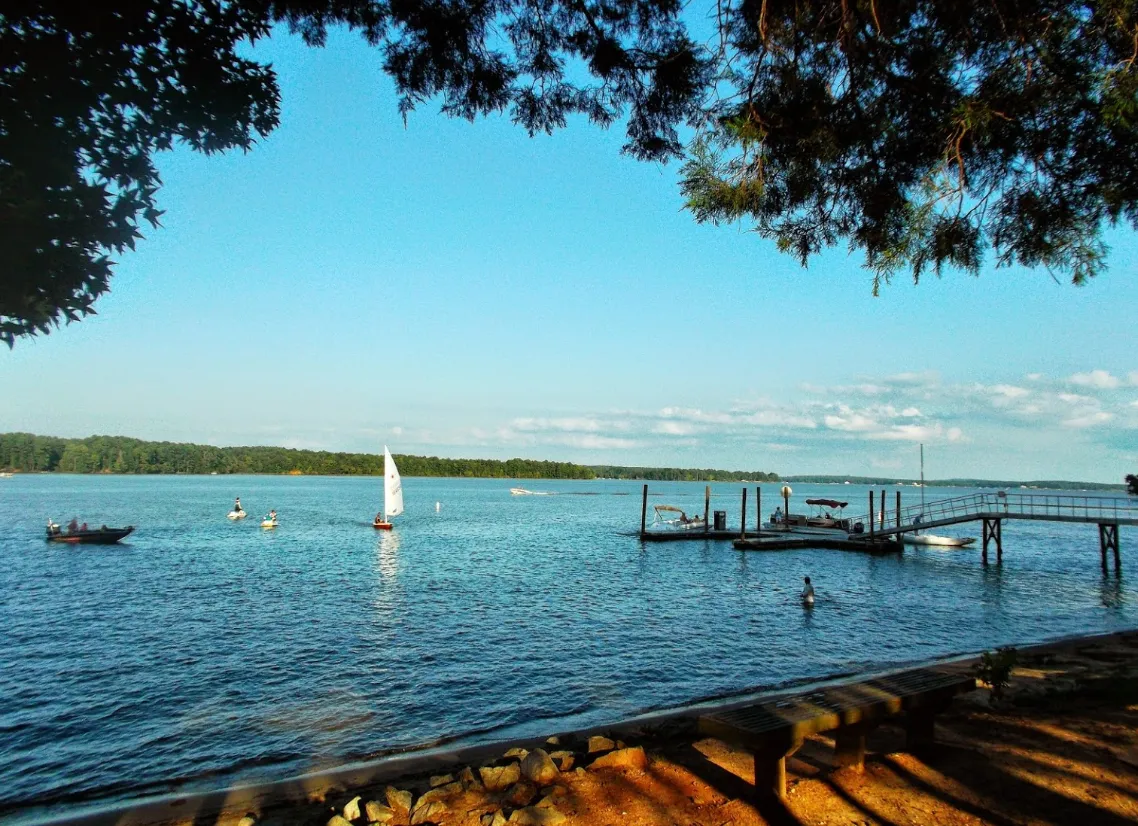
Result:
[
  {"x": 524, "y": 492},
  {"x": 821, "y": 521},
  {"x": 664, "y": 520},
  {"x": 237, "y": 514},
  {"x": 392, "y": 493},
  {"x": 6, "y": 475},
  {"x": 91, "y": 536},
  {"x": 931, "y": 539}
]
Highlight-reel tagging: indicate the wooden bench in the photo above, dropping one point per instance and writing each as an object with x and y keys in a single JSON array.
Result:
[{"x": 773, "y": 730}]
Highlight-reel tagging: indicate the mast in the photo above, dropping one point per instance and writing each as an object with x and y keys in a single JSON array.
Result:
[{"x": 922, "y": 479}]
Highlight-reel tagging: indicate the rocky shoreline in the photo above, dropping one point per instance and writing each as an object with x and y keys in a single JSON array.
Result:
[{"x": 661, "y": 771}]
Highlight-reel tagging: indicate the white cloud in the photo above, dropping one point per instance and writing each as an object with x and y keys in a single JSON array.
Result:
[
  {"x": 851, "y": 423},
  {"x": 1010, "y": 391},
  {"x": 570, "y": 425},
  {"x": 1099, "y": 379},
  {"x": 1088, "y": 419},
  {"x": 911, "y": 412},
  {"x": 398, "y": 431},
  {"x": 1132, "y": 378},
  {"x": 1033, "y": 376},
  {"x": 1075, "y": 398},
  {"x": 672, "y": 428}
]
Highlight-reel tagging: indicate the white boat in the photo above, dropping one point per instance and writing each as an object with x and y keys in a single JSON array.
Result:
[
  {"x": 237, "y": 514},
  {"x": 683, "y": 522},
  {"x": 940, "y": 541},
  {"x": 269, "y": 523},
  {"x": 918, "y": 538},
  {"x": 392, "y": 493},
  {"x": 524, "y": 492}
]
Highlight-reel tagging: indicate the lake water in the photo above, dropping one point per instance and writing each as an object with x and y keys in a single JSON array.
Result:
[{"x": 203, "y": 651}]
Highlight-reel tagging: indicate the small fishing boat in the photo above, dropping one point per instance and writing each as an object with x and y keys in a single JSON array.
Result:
[
  {"x": 524, "y": 492},
  {"x": 392, "y": 493},
  {"x": 91, "y": 536},
  {"x": 269, "y": 523},
  {"x": 237, "y": 514},
  {"x": 683, "y": 522}
]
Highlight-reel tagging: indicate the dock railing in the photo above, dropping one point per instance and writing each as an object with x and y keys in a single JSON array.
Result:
[{"x": 1119, "y": 510}]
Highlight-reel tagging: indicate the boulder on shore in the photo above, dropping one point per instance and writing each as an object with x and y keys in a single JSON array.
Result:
[
  {"x": 428, "y": 812},
  {"x": 598, "y": 743},
  {"x": 539, "y": 767},
  {"x": 441, "y": 779},
  {"x": 493, "y": 819},
  {"x": 532, "y": 816},
  {"x": 497, "y": 778},
  {"x": 633, "y": 758},
  {"x": 338, "y": 820},
  {"x": 378, "y": 813},
  {"x": 398, "y": 799},
  {"x": 352, "y": 809}
]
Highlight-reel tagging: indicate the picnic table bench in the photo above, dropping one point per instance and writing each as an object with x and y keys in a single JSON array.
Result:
[{"x": 773, "y": 730}]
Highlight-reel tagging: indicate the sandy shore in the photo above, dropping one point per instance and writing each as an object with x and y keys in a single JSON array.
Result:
[{"x": 1061, "y": 748}]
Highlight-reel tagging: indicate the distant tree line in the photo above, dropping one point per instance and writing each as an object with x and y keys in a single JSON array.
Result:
[
  {"x": 27, "y": 452},
  {"x": 1043, "y": 484},
  {"x": 1132, "y": 484},
  {"x": 675, "y": 474}
]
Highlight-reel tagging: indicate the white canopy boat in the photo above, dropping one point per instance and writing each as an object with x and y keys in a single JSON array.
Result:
[
  {"x": 683, "y": 522},
  {"x": 392, "y": 493},
  {"x": 820, "y": 522}
]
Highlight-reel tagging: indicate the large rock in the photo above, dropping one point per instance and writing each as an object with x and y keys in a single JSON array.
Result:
[
  {"x": 398, "y": 799},
  {"x": 553, "y": 741},
  {"x": 563, "y": 759},
  {"x": 533, "y": 816},
  {"x": 521, "y": 793},
  {"x": 338, "y": 820},
  {"x": 493, "y": 819},
  {"x": 598, "y": 743},
  {"x": 428, "y": 812},
  {"x": 633, "y": 758},
  {"x": 468, "y": 780},
  {"x": 441, "y": 779},
  {"x": 496, "y": 778},
  {"x": 539, "y": 767},
  {"x": 378, "y": 813},
  {"x": 352, "y": 809},
  {"x": 439, "y": 793},
  {"x": 516, "y": 752},
  {"x": 248, "y": 820}
]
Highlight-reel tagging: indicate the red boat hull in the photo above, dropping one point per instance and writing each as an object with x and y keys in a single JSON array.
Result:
[
  {"x": 381, "y": 526},
  {"x": 92, "y": 537}
]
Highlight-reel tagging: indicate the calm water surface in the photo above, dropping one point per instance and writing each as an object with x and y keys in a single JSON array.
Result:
[{"x": 203, "y": 651}]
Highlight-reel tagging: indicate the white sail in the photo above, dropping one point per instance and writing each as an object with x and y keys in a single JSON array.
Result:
[{"x": 392, "y": 486}]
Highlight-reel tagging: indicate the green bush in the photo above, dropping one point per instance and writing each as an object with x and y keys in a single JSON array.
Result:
[{"x": 995, "y": 671}]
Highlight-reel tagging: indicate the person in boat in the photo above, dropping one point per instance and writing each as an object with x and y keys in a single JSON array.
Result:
[
  {"x": 808, "y": 593},
  {"x": 83, "y": 527},
  {"x": 73, "y": 525},
  {"x": 777, "y": 516},
  {"x": 237, "y": 505},
  {"x": 272, "y": 517},
  {"x": 379, "y": 518}
]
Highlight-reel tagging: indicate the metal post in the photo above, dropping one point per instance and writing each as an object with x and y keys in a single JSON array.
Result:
[
  {"x": 644, "y": 509},
  {"x": 758, "y": 509},
  {"x": 706, "y": 505},
  {"x": 872, "y": 514},
  {"x": 999, "y": 541},
  {"x": 743, "y": 518},
  {"x": 883, "y": 509},
  {"x": 898, "y": 509}
]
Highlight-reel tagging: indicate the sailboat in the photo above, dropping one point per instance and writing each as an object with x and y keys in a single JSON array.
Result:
[
  {"x": 917, "y": 538},
  {"x": 392, "y": 492}
]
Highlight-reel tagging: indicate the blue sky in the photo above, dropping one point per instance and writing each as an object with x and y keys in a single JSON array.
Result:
[{"x": 462, "y": 289}]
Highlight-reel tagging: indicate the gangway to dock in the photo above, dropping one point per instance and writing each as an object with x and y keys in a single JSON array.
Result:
[{"x": 1108, "y": 512}]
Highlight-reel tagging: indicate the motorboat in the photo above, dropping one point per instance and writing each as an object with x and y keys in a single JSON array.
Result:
[
  {"x": 665, "y": 521},
  {"x": 91, "y": 536},
  {"x": 821, "y": 521},
  {"x": 237, "y": 514},
  {"x": 524, "y": 492},
  {"x": 269, "y": 523}
]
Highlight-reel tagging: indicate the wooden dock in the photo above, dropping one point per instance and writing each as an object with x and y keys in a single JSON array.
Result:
[{"x": 783, "y": 542}]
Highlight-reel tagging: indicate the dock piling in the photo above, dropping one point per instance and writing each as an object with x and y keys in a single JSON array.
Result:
[
  {"x": 898, "y": 509},
  {"x": 706, "y": 506},
  {"x": 1108, "y": 541},
  {"x": 743, "y": 518},
  {"x": 872, "y": 512},
  {"x": 758, "y": 509},
  {"x": 644, "y": 509}
]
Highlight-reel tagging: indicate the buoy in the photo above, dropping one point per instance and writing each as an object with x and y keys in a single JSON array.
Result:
[{"x": 437, "y": 506}]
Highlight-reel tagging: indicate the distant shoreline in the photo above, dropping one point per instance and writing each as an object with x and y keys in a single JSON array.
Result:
[{"x": 125, "y": 456}]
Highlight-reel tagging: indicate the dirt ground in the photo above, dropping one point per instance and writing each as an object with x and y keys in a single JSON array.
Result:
[{"x": 1062, "y": 748}]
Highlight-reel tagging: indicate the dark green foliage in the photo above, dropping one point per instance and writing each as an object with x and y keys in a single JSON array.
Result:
[
  {"x": 117, "y": 454},
  {"x": 89, "y": 91},
  {"x": 1132, "y": 484},
  {"x": 995, "y": 670},
  {"x": 922, "y": 132},
  {"x": 674, "y": 474}
]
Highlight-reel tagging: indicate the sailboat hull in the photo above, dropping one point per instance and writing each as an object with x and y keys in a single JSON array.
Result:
[{"x": 382, "y": 526}]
